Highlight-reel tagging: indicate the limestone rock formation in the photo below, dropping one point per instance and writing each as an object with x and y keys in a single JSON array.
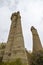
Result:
[
  {"x": 14, "y": 47},
  {"x": 36, "y": 40},
  {"x": 15, "y": 44}
]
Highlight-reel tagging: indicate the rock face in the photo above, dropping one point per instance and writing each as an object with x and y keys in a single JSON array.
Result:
[
  {"x": 2, "y": 49},
  {"x": 15, "y": 44},
  {"x": 36, "y": 40},
  {"x": 14, "y": 48}
]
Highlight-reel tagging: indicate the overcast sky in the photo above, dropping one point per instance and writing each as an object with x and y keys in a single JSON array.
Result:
[{"x": 31, "y": 15}]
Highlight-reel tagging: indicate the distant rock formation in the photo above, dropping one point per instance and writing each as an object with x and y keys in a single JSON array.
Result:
[{"x": 36, "y": 40}]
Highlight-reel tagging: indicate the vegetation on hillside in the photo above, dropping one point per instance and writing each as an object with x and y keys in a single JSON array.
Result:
[
  {"x": 37, "y": 58},
  {"x": 17, "y": 62}
]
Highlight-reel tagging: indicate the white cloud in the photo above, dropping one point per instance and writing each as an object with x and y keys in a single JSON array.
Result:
[{"x": 4, "y": 22}]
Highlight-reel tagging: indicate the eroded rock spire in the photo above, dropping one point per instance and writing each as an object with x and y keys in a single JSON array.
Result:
[{"x": 36, "y": 40}]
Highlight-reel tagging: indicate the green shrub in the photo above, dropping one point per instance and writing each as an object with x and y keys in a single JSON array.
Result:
[{"x": 16, "y": 62}]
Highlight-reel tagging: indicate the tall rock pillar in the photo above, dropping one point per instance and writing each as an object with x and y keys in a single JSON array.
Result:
[
  {"x": 36, "y": 40},
  {"x": 15, "y": 46},
  {"x": 18, "y": 49}
]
